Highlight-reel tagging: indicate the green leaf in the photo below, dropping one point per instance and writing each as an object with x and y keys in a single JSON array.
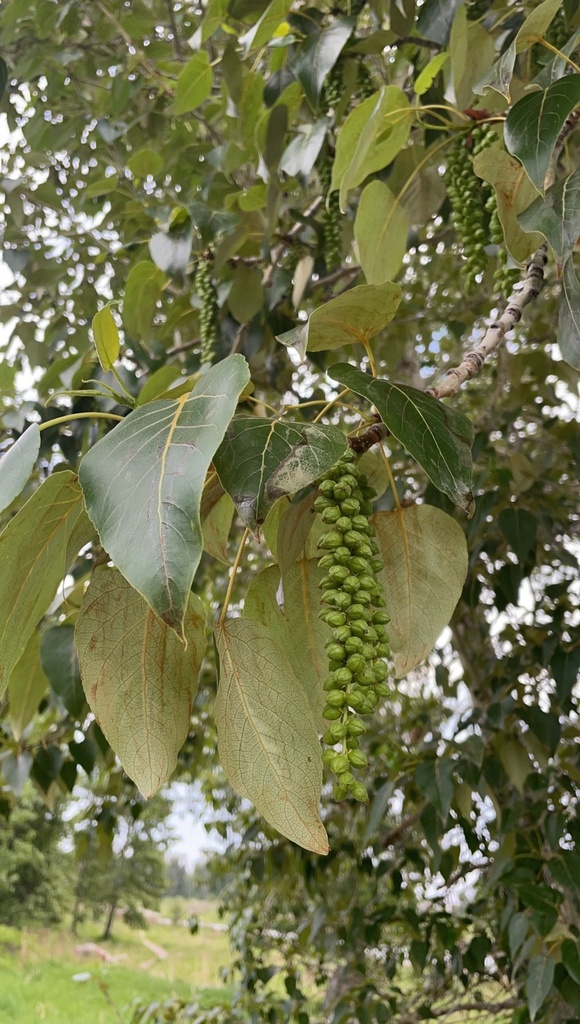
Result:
[
  {"x": 3, "y": 76},
  {"x": 158, "y": 383},
  {"x": 425, "y": 556},
  {"x": 194, "y": 83},
  {"x": 246, "y": 295},
  {"x": 536, "y": 23},
  {"x": 266, "y": 25},
  {"x": 380, "y": 230},
  {"x": 435, "y": 18},
  {"x": 60, "y": 663},
  {"x": 138, "y": 679},
  {"x": 533, "y": 125},
  {"x": 215, "y": 13},
  {"x": 16, "y": 771},
  {"x": 144, "y": 162},
  {"x": 260, "y": 460},
  {"x": 519, "y": 528},
  {"x": 514, "y": 759},
  {"x": 437, "y": 436},
  {"x": 569, "y": 315},
  {"x": 106, "y": 335},
  {"x": 538, "y": 982},
  {"x": 301, "y": 154},
  {"x": 34, "y": 556},
  {"x": 143, "y": 483},
  {"x": 216, "y": 528},
  {"x": 142, "y": 292},
  {"x": 26, "y": 687},
  {"x": 556, "y": 215},
  {"x": 370, "y": 138},
  {"x": 318, "y": 54},
  {"x": 293, "y": 529},
  {"x": 289, "y": 607},
  {"x": 499, "y": 76},
  {"x": 472, "y": 54},
  {"x": 17, "y": 464},
  {"x": 355, "y": 316},
  {"x": 514, "y": 191},
  {"x": 425, "y": 79},
  {"x": 571, "y": 959},
  {"x": 171, "y": 252},
  {"x": 267, "y": 736}
]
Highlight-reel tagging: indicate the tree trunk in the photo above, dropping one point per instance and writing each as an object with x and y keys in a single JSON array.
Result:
[{"x": 109, "y": 925}]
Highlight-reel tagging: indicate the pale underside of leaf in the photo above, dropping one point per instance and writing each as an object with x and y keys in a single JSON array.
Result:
[
  {"x": 138, "y": 679},
  {"x": 266, "y": 733},
  {"x": 425, "y": 556}
]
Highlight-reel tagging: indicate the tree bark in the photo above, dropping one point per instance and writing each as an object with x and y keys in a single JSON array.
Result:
[{"x": 109, "y": 925}]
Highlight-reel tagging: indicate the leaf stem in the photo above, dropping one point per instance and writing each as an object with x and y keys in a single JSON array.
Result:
[
  {"x": 371, "y": 358},
  {"x": 81, "y": 416},
  {"x": 329, "y": 405},
  {"x": 127, "y": 393},
  {"x": 233, "y": 574},
  {"x": 391, "y": 480},
  {"x": 554, "y": 49}
]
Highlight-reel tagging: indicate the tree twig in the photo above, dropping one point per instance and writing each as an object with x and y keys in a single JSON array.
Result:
[
  {"x": 473, "y": 361},
  {"x": 173, "y": 27}
]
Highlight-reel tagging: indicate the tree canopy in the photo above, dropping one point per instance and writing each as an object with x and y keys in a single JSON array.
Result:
[{"x": 290, "y": 351}]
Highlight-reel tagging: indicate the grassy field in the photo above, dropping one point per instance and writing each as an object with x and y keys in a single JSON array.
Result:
[{"x": 38, "y": 968}]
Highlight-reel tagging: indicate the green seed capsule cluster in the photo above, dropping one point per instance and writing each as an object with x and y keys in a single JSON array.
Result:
[
  {"x": 365, "y": 86},
  {"x": 332, "y": 217},
  {"x": 333, "y": 87},
  {"x": 505, "y": 277},
  {"x": 354, "y": 607},
  {"x": 558, "y": 32},
  {"x": 209, "y": 318},
  {"x": 476, "y": 9},
  {"x": 468, "y": 197}
]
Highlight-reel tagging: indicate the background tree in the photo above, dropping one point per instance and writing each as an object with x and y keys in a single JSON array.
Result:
[{"x": 362, "y": 184}]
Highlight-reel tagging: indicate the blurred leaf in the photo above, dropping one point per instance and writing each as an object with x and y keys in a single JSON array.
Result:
[
  {"x": 17, "y": 464},
  {"x": 536, "y": 23},
  {"x": 472, "y": 54},
  {"x": 216, "y": 528},
  {"x": 556, "y": 215},
  {"x": 259, "y": 461},
  {"x": 519, "y": 528},
  {"x": 16, "y": 771},
  {"x": 533, "y": 125},
  {"x": 34, "y": 557},
  {"x": 246, "y": 295},
  {"x": 301, "y": 153},
  {"x": 318, "y": 54},
  {"x": 263, "y": 31},
  {"x": 142, "y": 291},
  {"x": 293, "y": 529},
  {"x": 437, "y": 436},
  {"x": 269, "y": 750},
  {"x": 538, "y": 982},
  {"x": 26, "y": 687},
  {"x": 144, "y": 498},
  {"x": 515, "y": 760},
  {"x": 171, "y": 252},
  {"x": 106, "y": 335},
  {"x": 569, "y": 315},
  {"x": 425, "y": 79},
  {"x": 425, "y": 556},
  {"x": 353, "y": 317},
  {"x": 435, "y": 19},
  {"x": 194, "y": 83},
  {"x": 135, "y": 670},
  {"x": 145, "y": 162},
  {"x": 59, "y": 661},
  {"x": 380, "y": 230}
]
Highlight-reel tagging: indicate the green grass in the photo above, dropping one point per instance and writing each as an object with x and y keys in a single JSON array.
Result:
[{"x": 37, "y": 970}]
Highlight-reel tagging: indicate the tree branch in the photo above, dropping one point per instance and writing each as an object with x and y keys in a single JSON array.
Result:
[{"x": 472, "y": 362}]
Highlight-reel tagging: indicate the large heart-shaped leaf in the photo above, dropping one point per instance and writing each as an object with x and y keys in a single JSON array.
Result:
[
  {"x": 354, "y": 317},
  {"x": 36, "y": 549},
  {"x": 267, "y": 736},
  {"x": 437, "y": 436},
  {"x": 138, "y": 678},
  {"x": 144, "y": 480},
  {"x": 533, "y": 125},
  {"x": 260, "y": 460},
  {"x": 17, "y": 465},
  {"x": 26, "y": 687},
  {"x": 380, "y": 229},
  {"x": 557, "y": 215},
  {"x": 514, "y": 191},
  {"x": 425, "y": 556},
  {"x": 289, "y": 605},
  {"x": 569, "y": 315}
]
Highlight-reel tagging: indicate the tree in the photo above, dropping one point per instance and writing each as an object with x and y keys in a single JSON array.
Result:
[
  {"x": 120, "y": 863},
  {"x": 255, "y": 192},
  {"x": 33, "y": 879}
]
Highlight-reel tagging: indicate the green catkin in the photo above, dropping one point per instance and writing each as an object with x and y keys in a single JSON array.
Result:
[
  {"x": 332, "y": 217},
  {"x": 209, "y": 318},
  {"x": 353, "y": 606},
  {"x": 467, "y": 196}
]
